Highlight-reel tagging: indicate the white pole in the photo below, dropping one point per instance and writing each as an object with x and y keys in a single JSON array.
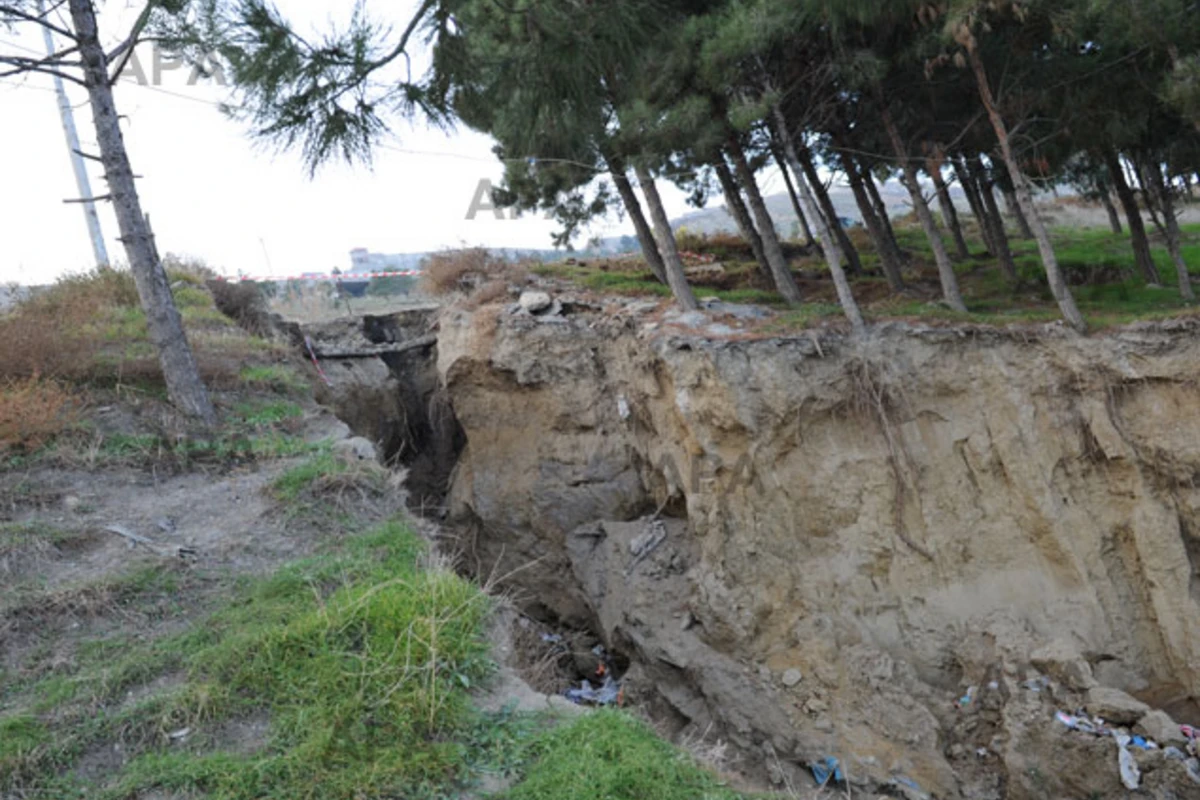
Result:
[{"x": 81, "y": 176}]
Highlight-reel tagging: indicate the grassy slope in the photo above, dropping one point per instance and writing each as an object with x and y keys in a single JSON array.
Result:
[
  {"x": 1096, "y": 261},
  {"x": 360, "y": 658}
]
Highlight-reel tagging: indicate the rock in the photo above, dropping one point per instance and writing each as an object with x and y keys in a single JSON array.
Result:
[
  {"x": 355, "y": 448},
  {"x": 1065, "y": 664},
  {"x": 533, "y": 301},
  {"x": 1159, "y": 726},
  {"x": 642, "y": 307},
  {"x": 1113, "y": 705},
  {"x": 791, "y": 677}
]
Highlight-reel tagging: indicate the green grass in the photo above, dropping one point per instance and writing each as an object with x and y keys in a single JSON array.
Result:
[
  {"x": 16, "y": 536},
  {"x": 360, "y": 658},
  {"x": 297, "y": 481},
  {"x": 263, "y": 413},
  {"x": 274, "y": 377},
  {"x": 609, "y": 755},
  {"x": 1098, "y": 263}
]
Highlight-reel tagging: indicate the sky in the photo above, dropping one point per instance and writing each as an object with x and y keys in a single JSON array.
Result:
[{"x": 212, "y": 193}]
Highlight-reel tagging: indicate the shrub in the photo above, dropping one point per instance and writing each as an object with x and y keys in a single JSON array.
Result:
[
  {"x": 244, "y": 303},
  {"x": 690, "y": 240},
  {"x": 32, "y": 412},
  {"x": 460, "y": 270}
]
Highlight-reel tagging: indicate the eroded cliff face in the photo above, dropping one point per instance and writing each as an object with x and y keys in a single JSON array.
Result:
[{"x": 818, "y": 544}]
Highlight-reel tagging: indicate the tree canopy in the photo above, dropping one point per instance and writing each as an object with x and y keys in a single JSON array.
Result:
[{"x": 1010, "y": 96}]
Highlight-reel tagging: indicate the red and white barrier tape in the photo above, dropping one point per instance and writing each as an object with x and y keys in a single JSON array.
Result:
[
  {"x": 313, "y": 354},
  {"x": 345, "y": 276}
]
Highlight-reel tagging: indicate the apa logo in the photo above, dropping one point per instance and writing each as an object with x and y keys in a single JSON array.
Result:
[{"x": 207, "y": 68}]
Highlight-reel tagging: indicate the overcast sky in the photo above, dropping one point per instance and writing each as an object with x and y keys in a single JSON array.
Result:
[{"x": 212, "y": 193}]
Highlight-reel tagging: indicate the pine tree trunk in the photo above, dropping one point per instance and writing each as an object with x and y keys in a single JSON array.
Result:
[
  {"x": 881, "y": 209},
  {"x": 950, "y": 292},
  {"x": 785, "y": 283},
  {"x": 1014, "y": 210},
  {"x": 1058, "y": 286},
  {"x": 633, "y": 208},
  {"x": 1151, "y": 198},
  {"x": 1161, "y": 192},
  {"x": 853, "y": 262},
  {"x": 1114, "y": 219},
  {"x": 828, "y": 242},
  {"x": 809, "y": 241},
  {"x": 1133, "y": 215},
  {"x": 185, "y": 388},
  {"x": 888, "y": 257},
  {"x": 949, "y": 213},
  {"x": 994, "y": 220},
  {"x": 672, "y": 263},
  {"x": 737, "y": 210},
  {"x": 975, "y": 201}
]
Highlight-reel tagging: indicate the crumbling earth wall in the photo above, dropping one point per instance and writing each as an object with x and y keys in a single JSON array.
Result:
[{"x": 818, "y": 544}]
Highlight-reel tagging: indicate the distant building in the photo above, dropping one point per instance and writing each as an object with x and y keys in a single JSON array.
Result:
[{"x": 363, "y": 260}]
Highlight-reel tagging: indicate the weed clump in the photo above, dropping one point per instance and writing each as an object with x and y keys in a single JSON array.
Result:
[
  {"x": 468, "y": 271},
  {"x": 33, "y": 411},
  {"x": 611, "y": 754}
]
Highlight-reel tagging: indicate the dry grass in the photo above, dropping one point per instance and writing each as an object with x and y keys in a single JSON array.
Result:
[
  {"x": 469, "y": 271},
  {"x": 242, "y": 302},
  {"x": 33, "y": 411},
  {"x": 89, "y": 329},
  {"x": 490, "y": 292}
]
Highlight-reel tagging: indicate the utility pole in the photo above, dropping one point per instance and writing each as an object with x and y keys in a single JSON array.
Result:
[{"x": 76, "y": 153}]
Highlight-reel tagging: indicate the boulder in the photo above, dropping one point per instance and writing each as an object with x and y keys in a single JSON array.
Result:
[
  {"x": 1113, "y": 705},
  {"x": 1063, "y": 663},
  {"x": 356, "y": 448},
  {"x": 533, "y": 301},
  {"x": 1159, "y": 726}
]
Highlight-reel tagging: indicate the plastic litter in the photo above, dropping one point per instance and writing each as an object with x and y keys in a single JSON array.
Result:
[
  {"x": 607, "y": 694},
  {"x": 1036, "y": 684},
  {"x": 966, "y": 699},
  {"x": 1142, "y": 743},
  {"x": 551, "y": 638},
  {"x": 828, "y": 768},
  {"x": 1174, "y": 753},
  {"x": 909, "y": 783},
  {"x": 1082, "y": 723},
  {"x": 1131, "y": 776}
]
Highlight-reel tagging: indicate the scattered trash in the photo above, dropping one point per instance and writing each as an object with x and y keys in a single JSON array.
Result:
[
  {"x": 552, "y": 638},
  {"x": 609, "y": 693},
  {"x": 983, "y": 752},
  {"x": 1131, "y": 776},
  {"x": 623, "y": 408},
  {"x": 993, "y": 685},
  {"x": 966, "y": 699},
  {"x": 1174, "y": 753},
  {"x": 828, "y": 768},
  {"x": 1036, "y": 684},
  {"x": 1082, "y": 723},
  {"x": 909, "y": 783},
  {"x": 1142, "y": 743},
  {"x": 179, "y": 734}
]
